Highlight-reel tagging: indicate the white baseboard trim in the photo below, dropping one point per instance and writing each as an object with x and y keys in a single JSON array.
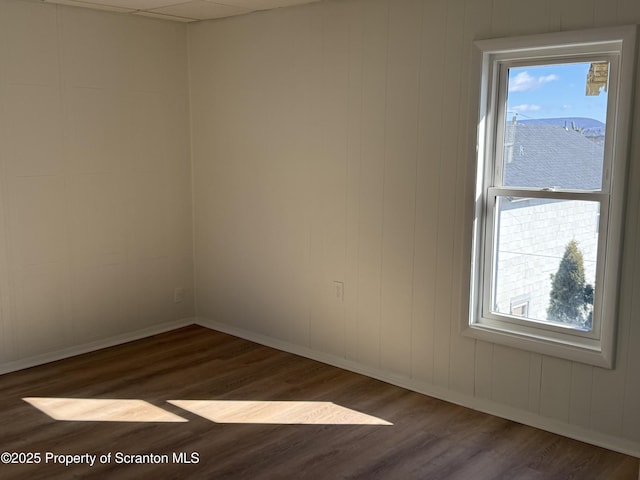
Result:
[
  {"x": 531, "y": 419},
  {"x": 36, "y": 360}
]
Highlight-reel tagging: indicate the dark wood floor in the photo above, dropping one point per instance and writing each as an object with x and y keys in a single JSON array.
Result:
[{"x": 429, "y": 439}]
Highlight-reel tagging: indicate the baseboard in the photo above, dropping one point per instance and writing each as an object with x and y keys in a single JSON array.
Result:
[
  {"x": 610, "y": 442},
  {"x": 93, "y": 346}
]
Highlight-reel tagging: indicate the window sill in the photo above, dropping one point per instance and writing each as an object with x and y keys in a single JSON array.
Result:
[{"x": 569, "y": 347}]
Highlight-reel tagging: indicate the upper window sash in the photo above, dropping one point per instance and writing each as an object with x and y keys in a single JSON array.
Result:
[{"x": 500, "y": 119}]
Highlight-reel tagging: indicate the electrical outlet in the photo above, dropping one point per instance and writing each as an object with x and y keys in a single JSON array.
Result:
[{"x": 178, "y": 294}]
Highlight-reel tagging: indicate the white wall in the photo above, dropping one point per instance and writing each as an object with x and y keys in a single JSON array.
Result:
[
  {"x": 95, "y": 181},
  {"x": 331, "y": 143}
]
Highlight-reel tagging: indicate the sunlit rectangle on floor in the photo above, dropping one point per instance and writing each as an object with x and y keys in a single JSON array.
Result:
[
  {"x": 102, "y": 410},
  {"x": 277, "y": 412}
]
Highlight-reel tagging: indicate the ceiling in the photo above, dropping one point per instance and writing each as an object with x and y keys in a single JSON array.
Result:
[{"x": 182, "y": 10}]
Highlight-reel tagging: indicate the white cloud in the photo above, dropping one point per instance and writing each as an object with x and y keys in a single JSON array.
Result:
[
  {"x": 525, "y": 108},
  {"x": 523, "y": 82}
]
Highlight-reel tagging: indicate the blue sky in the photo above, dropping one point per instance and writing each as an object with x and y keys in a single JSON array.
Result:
[{"x": 552, "y": 91}]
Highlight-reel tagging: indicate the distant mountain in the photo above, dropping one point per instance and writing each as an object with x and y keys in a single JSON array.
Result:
[
  {"x": 581, "y": 122},
  {"x": 590, "y": 127}
]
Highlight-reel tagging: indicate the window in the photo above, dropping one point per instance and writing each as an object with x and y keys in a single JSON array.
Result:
[
  {"x": 552, "y": 143},
  {"x": 520, "y": 310},
  {"x": 520, "y": 307}
]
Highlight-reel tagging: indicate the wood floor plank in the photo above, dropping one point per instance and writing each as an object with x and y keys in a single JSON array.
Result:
[{"x": 428, "y": 438}]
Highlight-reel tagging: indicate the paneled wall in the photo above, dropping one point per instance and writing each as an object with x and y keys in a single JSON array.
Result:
[
  {"x": 332, "y": 187},
  {"x": 331, "y": 144},
  {"x": 95, "y": 180}
]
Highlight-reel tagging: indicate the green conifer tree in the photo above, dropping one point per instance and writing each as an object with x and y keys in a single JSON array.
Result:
[{"x": 567, "y": 298}]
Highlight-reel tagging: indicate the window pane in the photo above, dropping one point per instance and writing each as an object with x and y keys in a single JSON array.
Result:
[
  {"x": 545, "y": 260},
  {"x": 555, "y": 126}
]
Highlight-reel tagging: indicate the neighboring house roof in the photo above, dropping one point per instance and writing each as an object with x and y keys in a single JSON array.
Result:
[{"x": 541, "y": 156}]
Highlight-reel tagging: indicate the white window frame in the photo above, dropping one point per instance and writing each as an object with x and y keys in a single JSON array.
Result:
[{"x": 491, "y": 59}]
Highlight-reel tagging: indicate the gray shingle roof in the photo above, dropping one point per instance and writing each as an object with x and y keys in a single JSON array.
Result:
[{"x": 543, "y": 156}]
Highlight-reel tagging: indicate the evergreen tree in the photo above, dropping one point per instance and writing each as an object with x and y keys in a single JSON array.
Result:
[{"x": 568, "y": 297}]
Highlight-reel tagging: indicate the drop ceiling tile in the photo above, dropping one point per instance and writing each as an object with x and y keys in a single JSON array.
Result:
[
  {"x": 182, "y": 10},
  {"x": 94, "y": 6},
  {"x": 137, "y": 4},
  {"x": 163, "y": 16},
  {"x": 262, "y": 4},
  {"x": 201, "y": 10}
]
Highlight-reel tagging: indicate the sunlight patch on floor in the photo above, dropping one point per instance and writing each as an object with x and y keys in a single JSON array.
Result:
[
  {"x": 277, "y": 412},
  {"x": 102, "y": 410}
]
